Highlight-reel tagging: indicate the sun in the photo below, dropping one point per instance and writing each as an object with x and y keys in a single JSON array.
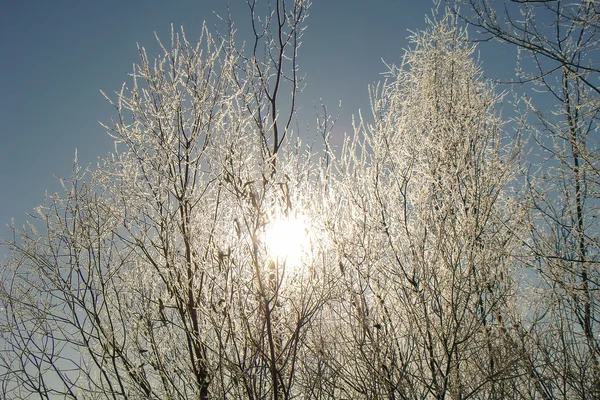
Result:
[{"x": 286, "y": 239}]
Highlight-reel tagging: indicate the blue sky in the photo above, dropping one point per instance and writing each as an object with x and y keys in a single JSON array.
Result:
[{"x": 58, "y": 55}]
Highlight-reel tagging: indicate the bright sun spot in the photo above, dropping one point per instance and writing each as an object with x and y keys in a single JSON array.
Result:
[{"x": 286, "y": 239}]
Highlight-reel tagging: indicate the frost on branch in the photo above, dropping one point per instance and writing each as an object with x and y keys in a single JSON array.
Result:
[
  {"x": 212, "y": 256},
  {"x": 154, "y": 270},
  {"x": 428, "y": 231}
]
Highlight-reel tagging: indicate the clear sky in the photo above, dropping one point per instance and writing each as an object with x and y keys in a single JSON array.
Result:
[{"x": 56, "y": 56}]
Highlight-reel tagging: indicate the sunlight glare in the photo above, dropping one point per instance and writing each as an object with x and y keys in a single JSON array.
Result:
[{"x": 286, "y": 239}]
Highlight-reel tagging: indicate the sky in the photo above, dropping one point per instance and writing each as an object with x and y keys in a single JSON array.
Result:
[{"x": 58, "y": 55}]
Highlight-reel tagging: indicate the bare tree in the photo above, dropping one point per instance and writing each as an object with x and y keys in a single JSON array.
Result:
[
  {"x": 152, "y": 277},
  {"x": 558, "y": 46},
  {"x": 166, "y": 273},
  {"x": 427, "y": 235}
]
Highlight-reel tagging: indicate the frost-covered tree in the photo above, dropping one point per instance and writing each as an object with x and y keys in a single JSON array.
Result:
[
  {"x": 211, "y": 255},
  {"x": 153, "y": 276},
  {"x": 558, "y": 47},
  {"x": 427, "y": 232}
]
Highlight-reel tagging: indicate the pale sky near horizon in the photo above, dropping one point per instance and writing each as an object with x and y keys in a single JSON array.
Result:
[{"x": 58, "y": 55}]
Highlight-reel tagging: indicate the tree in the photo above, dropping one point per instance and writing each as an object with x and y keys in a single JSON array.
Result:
[
  {"x": 427, "y": 232},
  {"x": 558, "y": 44},
  {"x": 161, "y": 273},
  {"x": 151, "y": 276}
]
